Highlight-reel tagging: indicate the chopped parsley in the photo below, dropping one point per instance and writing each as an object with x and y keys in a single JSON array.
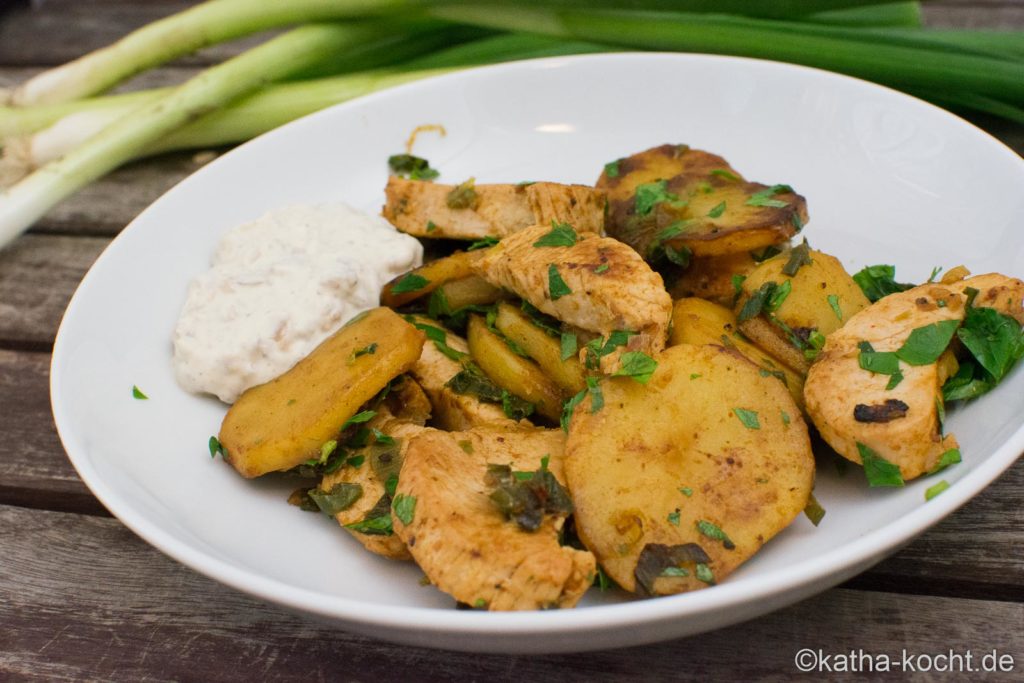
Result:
[
  {"x": 570, "y": 407},
  {"x": 799, "y": 256},
  {"x": 673, "y": 517},
  {"x": 878, "y": 362},
  {"x": 747, "y": 417},
  {"x": 878, "y": 470},
  {"x": 715, "y": 533},
  {"x": 556, "y": 285},
  {"x": 137, "y": 394},
  {"x": 675, "y": 571},
  {"x": 569, "y": 344},
  {"x": 410, "y": 282},
  {"x": 611, "y": 169},
  {"x": 439, "y": 337},
  {"x": 926, "y": 344},
  {"x": 515, "y": 408},
  {"x": 649, "y": 195},
  {"x": 561, "y": 235},
  {"x": 638, "y": 365},
  {"x": 726, "y": 174},
  {"x": 431, "y": 226},
  {"x": 737, "y": 287},
  {"x": 462, "y": 196},
  {"x": 785, "y": 417},
  {"x": 483, "y": 243},
  {"x": 950, "y": 457},
  {"x": 216, "y": 447},
  {"x": 596, "y": 395},
  {"x": 686, "y": 491},
  {"x": 878, "y": 281},
  {"x": 814, "y": 511},
  {"x": 935, "y": 490},
  {"x": 764, "y": 197},
  {"x": 695, "y": 375},
  {"x": 894, "y": 380},
  {"x": 404, "y": 507},
  {"x": 367, "y": 350},
  {"x": 765, "y": 254},
  {"x": 757, "y": 302},
  {"x": 413, "y": 167},
  {"x": 703, "y": 573},
  {"x": 833, "y": 302},
  {"x": 996, "y": 343},
  {"x": 360, "y": 418},
  {"x": 717, "y": 211},
  {"x": 603, "y": 268},
  {"x": 778, "y": 296},
  {"x": 935, "y": 272},
  {"x": 382, "y": 438}
]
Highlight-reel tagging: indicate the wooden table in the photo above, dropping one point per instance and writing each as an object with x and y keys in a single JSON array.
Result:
[{"x": 82, "y": 597}]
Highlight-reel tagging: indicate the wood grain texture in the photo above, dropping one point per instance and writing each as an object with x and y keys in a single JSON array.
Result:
[
  {"x": 139, "y": 615},
  {"x": 38, "y": 275}
]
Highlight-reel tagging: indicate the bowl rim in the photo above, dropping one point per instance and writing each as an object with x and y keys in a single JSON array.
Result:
[{"x": 430, "y": 620}]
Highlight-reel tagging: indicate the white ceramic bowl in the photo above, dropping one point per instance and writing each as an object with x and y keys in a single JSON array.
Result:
[{"x": 889, "y": 179}]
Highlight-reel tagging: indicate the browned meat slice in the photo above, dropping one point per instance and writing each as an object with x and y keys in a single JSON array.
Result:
[
  {"x": 426, "y": 209},
  {"x": 399, "y": 418},
  {"x": 606, "y": 287},
  {"x": 464, "y": 543}
]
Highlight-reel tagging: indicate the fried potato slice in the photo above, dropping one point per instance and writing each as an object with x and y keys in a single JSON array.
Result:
[
  {"x": 711, "y": 277},
  {"x": 427, "y": 209},
  {"x": 694, "y": 202},
  {"x": 806, "y": 306},
  {"x": 464, "y": 543},
  {"x": 467, "y": 291},
  {"x": 281, "y": 424},
  {"x": 848, "y": 404},
  {"x": 452, "y": 411},
  {"x": 696, "y": 321},
  {"x": 510, "y": 371},
  {"x": 421, "y": 281},
  {"x": 596, "y": 284},
  {"x": 542, "y": 347},
  {"x": 692, "y": 472}
]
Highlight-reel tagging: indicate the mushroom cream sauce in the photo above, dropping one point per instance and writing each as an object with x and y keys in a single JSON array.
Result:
[{"x": 279, "y": 286}]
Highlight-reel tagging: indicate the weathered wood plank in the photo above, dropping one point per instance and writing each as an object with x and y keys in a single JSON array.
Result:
[
  {"x": 1001, "y": 14},
  {"x": 34, "y": 470},
  {"x": 134, "y": 615},
  {"x": 38, "y": 275},
  {"x": 61, "y": 30}
]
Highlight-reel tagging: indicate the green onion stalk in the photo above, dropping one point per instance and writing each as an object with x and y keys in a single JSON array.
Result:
[
  {"x": 923, "y": 64},
  {"x": 301, "y": 48},
  {"x": 218, "y": 21},
  {"x": 54, "y": 130}
]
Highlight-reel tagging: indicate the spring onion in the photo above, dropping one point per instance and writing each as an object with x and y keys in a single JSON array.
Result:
[{"x": 298, "y": 49}]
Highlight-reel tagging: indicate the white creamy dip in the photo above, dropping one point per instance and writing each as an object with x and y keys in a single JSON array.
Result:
[{"x": 278, "y": 287}]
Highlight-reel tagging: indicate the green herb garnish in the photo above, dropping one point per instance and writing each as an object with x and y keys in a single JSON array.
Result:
[
  {"x": 411, "y": 282},
  {"x": 935, "y": 490},
  {"x": 561, "y": 235},
  {"x": 723, "y": 173},
  {"x": 833, "y": 302},
  {"x": 717, "y": 211},
  {"x": 340, "y": 497},
  {"x": 569, "y": 345},
  {"x": 611, "y": 169},
  {"x": 216, "y": 447},
  {"x": 413, "y": 167},
  {"x": 673, "y": 517},
  {"x": 799, "y": 256},
  {"x": 764, "y": 197},
  {"x": 878, "y": 470},
  {"x": 814, "y": 511},
  {"x": 878, "y": 281},
  {"x": 603, "y": 268},
  {"x": 747, "y": 417},
  {"x": 638, "y": 365},
  {"x": 715, "y": 533},
  {"x": 404, "y": 507},
  {"x": 137, "y": 393},
  {"x": 703, "y": 573},
  {"x": 649, "y": 195},
  {"x": 483, "y": 243},
  {"x": 556, "y": 285},
  {"x": 368, "y": 350},
  {"x": 950, "y": 457},
  {"x": 525, "y": 501},
  {"x": 926, "y": 344}
]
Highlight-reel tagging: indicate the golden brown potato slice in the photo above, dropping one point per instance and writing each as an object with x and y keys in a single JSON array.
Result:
[
  {"x": 791, "y": 302},
  {"x": 542, "y": 347},
  {"x": 472, "y": 212},
  {"x": 711, "y": 277},
  {"x": 897, "y": 421},
  {"x": 520, "y": 376},
  {"x": 465, "y": 544},
  {"x": 679, "y": 481},
  {"x": 452, "y": 411},
  {"x": 428, "y": 277},
  {"x": 593, "y": 283},
  {"x": 281, "y": 424},
  {"x": 693, "y": 201},
  {"x": 695, "y": 321},
  {"x": 467, "y": 291},
  {"x": 369, "y": 468}
]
